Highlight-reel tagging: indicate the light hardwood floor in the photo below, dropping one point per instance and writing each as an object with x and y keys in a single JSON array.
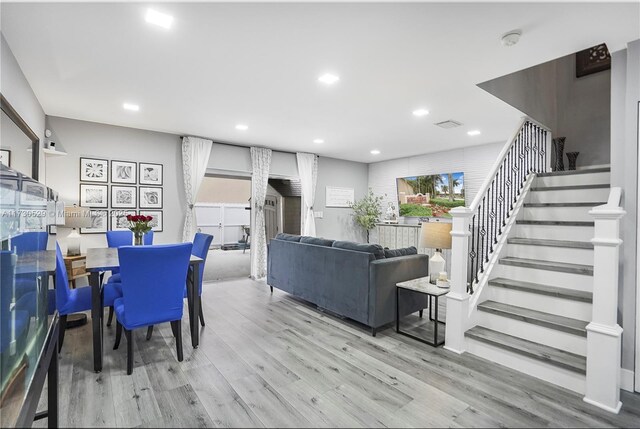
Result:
[{"x": 271, "y": 360}]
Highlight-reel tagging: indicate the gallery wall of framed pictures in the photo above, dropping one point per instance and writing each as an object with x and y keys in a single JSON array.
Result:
[{"x": 113, "y": 189}]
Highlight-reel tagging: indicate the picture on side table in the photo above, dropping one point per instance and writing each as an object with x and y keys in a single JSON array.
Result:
[
  {"x": 124, "y": 172},
  {"x": 99, "y": 222},
  {"x": 119, "y": 220},
  {"x": 123, "y": 197},
  {"x": 94, "y": 170},
  {"x": 94, "y": 196},
  {"x": 5, "y": 157},
  {"x": 150, "y": 174},
  {"x": 150, "y": 198},
  {"x": 156, "y": 223}
]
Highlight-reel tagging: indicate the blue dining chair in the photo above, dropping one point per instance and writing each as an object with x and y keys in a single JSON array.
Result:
[
  {"x": 75, "y": 300},
  {"x": 153, "y": 287},
  {"x": 201, "y": 244},
  {"x": 119, "y": 239},
  {"x": 30, "y": 242}
]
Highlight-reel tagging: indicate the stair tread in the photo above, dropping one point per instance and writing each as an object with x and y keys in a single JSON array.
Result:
[
  {"x": 559, "y": 292},
  {"x": 550, "y": 243},
  {"x": 570, "y": 187},
  {"x": 565, "y": 267},
  {"x": 550, "y": 355},
  {"x": 553, "y": 321},
  {"x": 551, "y": 205},
  {"x": 574, "y": 172},
  {"x": 555, "y": 222}
]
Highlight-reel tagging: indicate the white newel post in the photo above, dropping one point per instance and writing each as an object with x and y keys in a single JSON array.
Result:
[
  {"x": 458, "y": 298},
  {"x": 604, "y": 335}
]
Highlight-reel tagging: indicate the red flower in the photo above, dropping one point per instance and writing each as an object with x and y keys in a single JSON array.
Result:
[
  {"x": 129, "y": 218},
  {"x": 149, "y": 218}
]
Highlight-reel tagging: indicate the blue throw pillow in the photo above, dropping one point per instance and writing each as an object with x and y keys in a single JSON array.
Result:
[
  {"x": 374, "y": 249},
  {"x": 287, "y": 237},
  {"x": 394, "y": 253},
  {"x": 316, "y": 241}
]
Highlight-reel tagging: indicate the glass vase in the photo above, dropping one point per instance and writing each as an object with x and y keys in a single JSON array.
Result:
[{"x": 137, "y": 238}]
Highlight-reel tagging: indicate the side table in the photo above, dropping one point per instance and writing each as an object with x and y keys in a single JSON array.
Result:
[{"x": 433, "y": 292}]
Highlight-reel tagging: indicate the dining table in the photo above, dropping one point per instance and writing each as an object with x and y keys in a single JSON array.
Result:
[{"x": 100, "y": 260}]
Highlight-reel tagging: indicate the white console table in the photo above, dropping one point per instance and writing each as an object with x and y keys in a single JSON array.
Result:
[{"x": 397, "y": 236}]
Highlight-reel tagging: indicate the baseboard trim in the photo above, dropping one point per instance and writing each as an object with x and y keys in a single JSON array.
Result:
[
  {"x": 615, "y": 410},
  {"x": 627, "y": 378}
]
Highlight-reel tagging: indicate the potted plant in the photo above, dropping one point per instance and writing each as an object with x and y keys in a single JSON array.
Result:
[
  {"x": 367, "y": 211},
  {"x": 139, "y": 225}
]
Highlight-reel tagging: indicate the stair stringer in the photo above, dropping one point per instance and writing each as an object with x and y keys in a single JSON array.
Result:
[{"x": 481, "y": 291}]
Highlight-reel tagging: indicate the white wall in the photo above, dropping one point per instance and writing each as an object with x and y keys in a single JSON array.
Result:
[
  {"x": 16, "y": 89},
  {"x": 90, "y": 139},
  {"x": 625, "y": 95},
  {"x": 236, "y": 160},
  {"x": 337, "y": 223},
  {"x": 576, "y": 108}
]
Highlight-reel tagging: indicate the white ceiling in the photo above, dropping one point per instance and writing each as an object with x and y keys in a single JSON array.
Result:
[{"x": 223, "y": 64}]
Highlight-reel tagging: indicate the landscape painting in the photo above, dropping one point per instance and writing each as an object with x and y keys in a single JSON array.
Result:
[{"x": 430, "y": 195}]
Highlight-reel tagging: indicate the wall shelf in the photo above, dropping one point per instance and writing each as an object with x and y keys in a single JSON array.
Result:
[{"x": 50, "y": 152}]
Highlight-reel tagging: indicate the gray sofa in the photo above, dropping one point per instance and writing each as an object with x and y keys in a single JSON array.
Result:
[{"x": 351, "y": 280}]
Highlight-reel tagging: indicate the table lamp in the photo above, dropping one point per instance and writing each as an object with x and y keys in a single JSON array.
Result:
[
  {"x": 75, "y": 217},
  {"x": 435, "y": 235}
]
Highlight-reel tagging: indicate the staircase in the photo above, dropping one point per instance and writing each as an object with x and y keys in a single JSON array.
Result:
[{"x": 532, "y": 315}]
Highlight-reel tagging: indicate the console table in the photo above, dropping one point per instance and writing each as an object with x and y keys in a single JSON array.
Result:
[{"x": 397, "y": 236}]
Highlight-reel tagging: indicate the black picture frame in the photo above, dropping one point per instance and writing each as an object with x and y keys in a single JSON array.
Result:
[
  {"x": 114, "y": 200},
  {"x": 157, "y": 214},
  {"x": 92, "y": 230},
  {"x": 113, "y": 219},
  {"x": 116, "y": 175},
  {"x": 143, "y": 202},
  {"x": 144, "y": 179},
  {"x": 7, "y": 153},
  {"x": 85, "y": 178},
  {"x": 84, "y": 203}
]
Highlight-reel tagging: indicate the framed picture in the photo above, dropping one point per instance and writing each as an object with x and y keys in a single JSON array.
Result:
[
  {"x": 33, "y": 220},
  {"x": 156, "y": 223},
  {"x": 593, "y": 60},
  {"x": 94, "y": 170},
  {"x": 123, "y": 197},
  {"x": 33, "y": 194},
  {"x": 94, "y": 196},
  {"x": 150, "y": 174},
  {"x": 124, "y": 172},
  {"x": 8, "y": 192},
  {"x": 53, "y": 229},
  {"x": 150, "y": 198},
  {"x": 99, "y": 222},
  {"x": 5, "y": 157},
  {"x": 119, "y": 220}
]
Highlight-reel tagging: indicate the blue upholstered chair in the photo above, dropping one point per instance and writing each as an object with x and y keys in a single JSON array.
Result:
[
  {"x": 153, "y": 279},
  {"x": 74, "y": 300},
  {"x": 30, "y": 242},
  {"x": 201, "y": 244}
]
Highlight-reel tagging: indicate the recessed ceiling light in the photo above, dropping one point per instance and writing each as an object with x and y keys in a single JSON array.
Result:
[
  {"x": 420, "y": 112},
  {"x": 318, "y": 141},
  {"x": 375, "y": 152},
  {"x": 328, "y": 78},
  {"x": 473, "y": 132},
  {"x": 242, "y": 127},
  {"x": 511, "y": 38},
  {"x": 132, "y": 107},
  {"x": 158, "y": 18}
]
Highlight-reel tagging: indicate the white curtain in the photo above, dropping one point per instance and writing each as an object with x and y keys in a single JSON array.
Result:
[
  {"x": 195, "y": 157},
  {"x": 260, "y": 162},
  {"x": 308, "y": 172}
]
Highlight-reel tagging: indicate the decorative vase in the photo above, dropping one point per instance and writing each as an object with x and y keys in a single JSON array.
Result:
[
  {"x": 558, "y": 149},
  {"x": 572, "y": 156},
  {"x": 137, "y": 238}
]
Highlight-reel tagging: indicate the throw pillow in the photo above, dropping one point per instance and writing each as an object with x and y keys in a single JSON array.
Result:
[
  {"x": 394, "y": 253},
  {"x": 316, "y": 241},
  {"x": 375, "y": 249},
  {"x": 287, "y": 237}
]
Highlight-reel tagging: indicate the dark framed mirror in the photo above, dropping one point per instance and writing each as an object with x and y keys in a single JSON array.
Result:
[{"x": 15, "y": 140}]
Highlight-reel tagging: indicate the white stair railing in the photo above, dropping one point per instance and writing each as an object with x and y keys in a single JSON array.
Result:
[
  {"x": 476, "y": 229},
  {"x": 604, "y": 335}
]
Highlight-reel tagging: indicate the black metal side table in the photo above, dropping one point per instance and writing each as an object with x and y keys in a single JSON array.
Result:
[{"x": 433, "y": 292}]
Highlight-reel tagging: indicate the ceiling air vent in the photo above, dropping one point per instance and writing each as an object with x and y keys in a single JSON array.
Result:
[{"x": 448, "y": 124}]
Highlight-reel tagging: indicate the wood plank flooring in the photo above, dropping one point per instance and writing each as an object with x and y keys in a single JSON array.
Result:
[{"x": 273, "y": 361}]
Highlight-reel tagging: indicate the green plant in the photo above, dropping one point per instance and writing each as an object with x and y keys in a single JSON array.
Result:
[{"x": 367, "y": 211}]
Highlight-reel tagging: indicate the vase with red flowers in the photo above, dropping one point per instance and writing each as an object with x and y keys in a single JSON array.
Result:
[{"x": 139, "y": 225}]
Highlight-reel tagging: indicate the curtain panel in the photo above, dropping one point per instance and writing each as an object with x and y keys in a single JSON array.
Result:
[
  {"x": 260, "y": 163},
  {"x": 195, "y": 158},
  {"x": 308, "y": 172}
]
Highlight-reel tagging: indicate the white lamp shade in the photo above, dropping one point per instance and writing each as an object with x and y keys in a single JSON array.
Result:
[
  {"x": 77, "y": 217},
  {"x": 435, "y": 235}
]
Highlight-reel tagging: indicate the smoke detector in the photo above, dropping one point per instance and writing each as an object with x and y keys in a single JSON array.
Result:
[
  {"x": 448, "y": 124},
  {"x": 511, "y": 38}
]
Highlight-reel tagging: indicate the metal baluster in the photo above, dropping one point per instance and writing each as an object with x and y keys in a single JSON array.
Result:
[
  {"x": 478, "y": 246},
  {"x": 482, "y": 234},
  {"x": 486, "y": 227},
  {"x": 472, "y": 254}
]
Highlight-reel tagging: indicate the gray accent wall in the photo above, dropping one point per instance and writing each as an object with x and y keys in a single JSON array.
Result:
[{"x": 576, "y": 108}]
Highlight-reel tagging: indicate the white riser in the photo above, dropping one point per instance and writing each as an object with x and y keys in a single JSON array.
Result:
[
  {"x": 538, "y": 334},
  {"x": 558, "y": 376},
  {"x": 569, "y": 196},
  {"x": 574, "y": 179},
  {"x": 548, "y": 304},
  {"x": 553, "y": 232},
  {"x": 551, "y": 278},
  {"x": 557, "y": 213},
  {"x": 558, "y": 254}
]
